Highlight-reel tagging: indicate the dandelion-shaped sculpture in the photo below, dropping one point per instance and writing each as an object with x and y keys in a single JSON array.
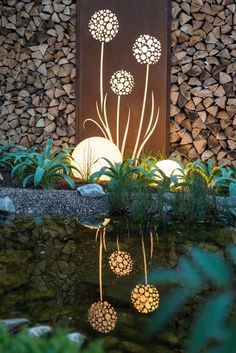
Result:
[
  {"x": 120, "y": 262},
  {"x": 101, "y": 315},
  {"x": 103, "y": 26},
  {"x": 145, "y": 297},
  {"x": 122, "y": 83},
  {"x": 147, "y": 51}
]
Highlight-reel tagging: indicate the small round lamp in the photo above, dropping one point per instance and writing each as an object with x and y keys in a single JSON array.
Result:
[{"x": 88, "y": 156}]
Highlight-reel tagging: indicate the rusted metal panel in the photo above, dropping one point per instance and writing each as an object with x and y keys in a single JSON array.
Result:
[{"x": 123, "y": 73}]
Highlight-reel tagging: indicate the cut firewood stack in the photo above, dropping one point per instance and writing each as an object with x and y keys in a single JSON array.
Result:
[
  {"x": 203, "y": 79},
  {"x": 37, "y": 71}
]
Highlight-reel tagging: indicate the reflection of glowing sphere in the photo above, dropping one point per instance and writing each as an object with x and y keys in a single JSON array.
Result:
[
  {"x": 121, "y": 263},
  {"x": 145, "y": 298},
  {"x": 102, "y": 317},
  {"x": 88, "y": 156},
  {"x": 169, "y": 168}
]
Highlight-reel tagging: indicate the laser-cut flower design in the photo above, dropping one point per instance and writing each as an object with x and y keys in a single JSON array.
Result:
[
  {"x": 122, "y": 82},
  {"x": 103, "y": 25},
  {"x": 121, "y": 263},
  {"x": 147, "y": 50},
  {"x": 145, "y": 298},
  {"x": 102, "y": 317}
]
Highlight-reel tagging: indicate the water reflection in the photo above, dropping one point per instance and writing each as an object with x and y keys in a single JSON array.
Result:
[
  {"x": 49, "y": 272},
  {"x": 145, "y": 297},
  {"x": 101, "y": 315},
  {"x": 120, "y": 262}
]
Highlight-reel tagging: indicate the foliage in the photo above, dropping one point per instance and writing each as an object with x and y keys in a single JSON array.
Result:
[
  {"x": 58, "y": 343},
  {"x": 226, "y": 180},
  {"x": 200, "y": 201},
  {"x": 213, "y": 330},
  {"x": 206, "y": 170},
  {"x": 120, "y": 185},
  {"x": 43, "y": 168}
]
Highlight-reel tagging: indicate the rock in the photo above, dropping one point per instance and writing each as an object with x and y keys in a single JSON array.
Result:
[
  {"x": 7, "y": 206},
  {"x": 15, "y": 324},
  {"x": 91, "y": 190},
  {"x": 77, "y": 338},
  {"x": 39, "y": 331}
]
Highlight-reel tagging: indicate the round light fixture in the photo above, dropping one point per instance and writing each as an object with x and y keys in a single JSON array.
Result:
[
  {"x": 88, "y": 156},
  {"x": 169, "y": 168}
]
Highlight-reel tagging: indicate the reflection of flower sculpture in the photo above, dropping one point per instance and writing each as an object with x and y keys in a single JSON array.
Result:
[
  {"x": 122, "y": 83},
  {"x": 146, "y": 50},
  {"x": 145, "y": 297},
  {"x": 101, "y": 315},
  {"x": 121, "y": 263}
]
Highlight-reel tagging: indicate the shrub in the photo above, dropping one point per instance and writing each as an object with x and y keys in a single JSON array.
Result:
[
  {"x": 58, "y": 343},
  {"x": 43, "y": 168},
  {"x": 214, "y": 327}
]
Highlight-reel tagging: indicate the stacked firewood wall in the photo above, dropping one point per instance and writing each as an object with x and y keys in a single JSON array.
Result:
[
  {"x": 38, "y": 71},
  {"x": 203, "y": 79}
]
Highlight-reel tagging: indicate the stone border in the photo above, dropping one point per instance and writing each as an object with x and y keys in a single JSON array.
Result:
[{"x": 33, "y": 202}]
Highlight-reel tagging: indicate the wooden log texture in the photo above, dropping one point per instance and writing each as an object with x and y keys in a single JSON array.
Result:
[
  {"x": 38, "y": 71},
  {"x": 203, "y": 79}
]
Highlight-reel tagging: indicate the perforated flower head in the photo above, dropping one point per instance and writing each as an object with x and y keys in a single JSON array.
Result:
[
  {"x": 103, "y": 25},
  {"x": 147, "y": 50},
  {"x": 145, "y": 298},
  {"x": 121, "y": 263},
  {"x": 122, "y": 83},
  {"x": 102, "y": 317}
]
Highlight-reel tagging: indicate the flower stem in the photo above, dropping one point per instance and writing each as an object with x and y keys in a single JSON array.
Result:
[
  {"x": 143, "y": 112},
  {"x": 100, "y": 265},
  {"x": 101, "y": 75},
  {"x": 144, "y": 261},
  {"x": 118, "y": 123}
]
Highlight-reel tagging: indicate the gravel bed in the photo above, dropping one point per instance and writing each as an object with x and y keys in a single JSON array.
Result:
[{"x": 55, "y": 202}]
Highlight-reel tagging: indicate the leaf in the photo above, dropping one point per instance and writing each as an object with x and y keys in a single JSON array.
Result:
[
  {"x": 210, "y": 322},
  {"x": 213, "y": 266},
  {"x": 27, "y": 179},
  {"x": 170, "y": 304},
  {"x": 189, "y": 275},
  {"x": 232, "y": 252},
  {"x": 162, "y": 275},
  {"x": 39, "y": 173}
]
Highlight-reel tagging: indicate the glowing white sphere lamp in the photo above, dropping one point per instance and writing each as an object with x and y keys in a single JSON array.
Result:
[
  {"x": 169, "y": 168},
  {"x": 88, "y": 156}
]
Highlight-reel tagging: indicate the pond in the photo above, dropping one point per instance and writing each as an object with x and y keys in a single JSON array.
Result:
[{"x": 49, "y": 273}]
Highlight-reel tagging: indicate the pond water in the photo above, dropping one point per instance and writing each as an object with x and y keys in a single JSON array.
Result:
[{"x": 49, "y": 273}]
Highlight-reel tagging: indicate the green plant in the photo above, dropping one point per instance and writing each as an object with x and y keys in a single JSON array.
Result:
[
  {"x": 197, "y": 205},
  {"x": 58, "y": 343},
  {"x": 207, "y": 171},
  {"x": 43, "y": 168},
  {"x": 214, "y": 327},
  {"x": 227, "y": 180}
]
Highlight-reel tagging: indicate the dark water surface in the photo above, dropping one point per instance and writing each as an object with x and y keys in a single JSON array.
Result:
[{"x": 49, "y": 274}]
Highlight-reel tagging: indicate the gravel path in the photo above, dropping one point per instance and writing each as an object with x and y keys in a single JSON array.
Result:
[{"x": 54, "y": 202}]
